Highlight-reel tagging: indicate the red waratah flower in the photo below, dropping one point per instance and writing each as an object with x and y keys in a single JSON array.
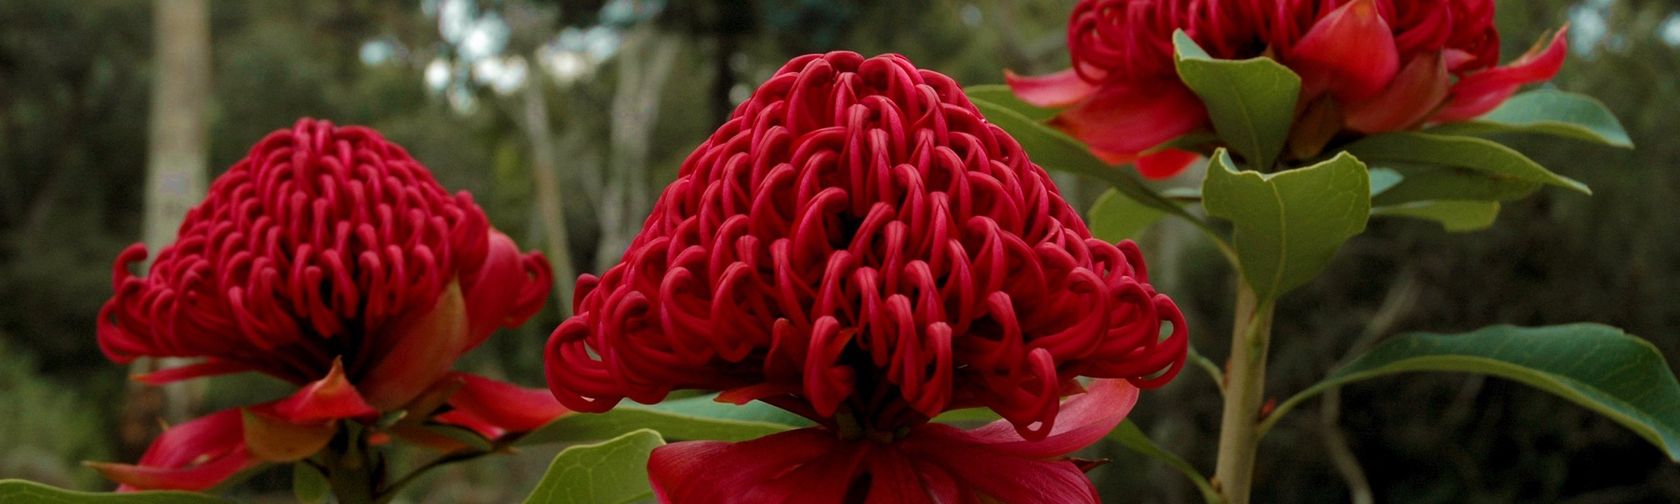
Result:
[
  {"x": 1386, "y": 64},
  {"x": 330, "y": 259},
  {"x": 859, "y": 246}
]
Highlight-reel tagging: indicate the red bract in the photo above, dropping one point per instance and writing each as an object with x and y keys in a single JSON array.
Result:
[
  {"x": 330, "y": 259},
  {"x": 1385, "y": 64},
  {"x": 859, "y": 246}
]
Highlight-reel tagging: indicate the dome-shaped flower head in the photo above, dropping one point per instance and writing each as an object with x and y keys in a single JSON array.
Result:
[
  {"x": 858, "y": 245},
  {"x": 1367, "y": 66},
  {"x": 332, "y": 260}
]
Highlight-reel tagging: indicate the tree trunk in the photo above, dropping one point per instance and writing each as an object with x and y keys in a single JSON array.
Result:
[
  {"x": 545, "y": 174},
  {"x": 645, "y": 65},
  {"x": 176, "y": 166}
]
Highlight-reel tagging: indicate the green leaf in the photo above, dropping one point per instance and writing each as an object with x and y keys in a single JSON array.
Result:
[
  {"x": 308, "y": 484},
  {"x": 1600, "y": 367},
  {"x": 1250, "y": 102},
  {"x": 974, "y": 415},
  {"x": 1115, "y": 217},
  {"x": 1548, "y": 112},
  {"x": 1129, "y": 435},
  {"x": 1288, "y": 224},
  {"x": 698, "y": 417},
  {"x": 1455, "y": 216},
  {"x": 1054, "y": 150},
  {"x": 1484, "y": 156},
  {"x": 1431, "y": 183},
  {"x": 14, "y": 491},
  {"x": 467, "y": 437},
  {"x": 1001, "y": 95},
  {"x": 610, "y": 472}
]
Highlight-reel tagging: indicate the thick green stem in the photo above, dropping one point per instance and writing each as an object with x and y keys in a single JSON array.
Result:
[
  {"x": 1245, "y": 389},
  {"x": 355, "y": 477}
]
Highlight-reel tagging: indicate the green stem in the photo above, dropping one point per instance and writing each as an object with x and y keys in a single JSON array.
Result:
[
  {"x": 1207, "y": 366},
  {"x": 1245, "y": 389},
  {"x": 397, "y": 486},
  {"x": 353, "y": 474}
]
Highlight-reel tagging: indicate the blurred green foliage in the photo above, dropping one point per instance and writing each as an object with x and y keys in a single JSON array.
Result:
[
  {"x": 46, "y": 432},
  {"x": 74, "y": 84}
]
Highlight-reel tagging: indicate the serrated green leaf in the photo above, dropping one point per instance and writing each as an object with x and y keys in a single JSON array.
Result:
[
  {"x": 698, "y": 417},
  {"x": 1001, "y": 95},
  {"x": 1484, "y": 156},
  {"x": 1431, "y": 183},
  {"x": 14, "y": 491},
  {"x": 1115, "y": 217},
  {"x": 1289, "y": 224},
  {"x": 1250, "y": 102},
  {"x": 1548, "y": 112},
  {"x": 1455, "y": 216},
  {"x": 610, "y": 472},
  {"x": 1130, "y": 436},
  {"x": 308, "y": 484},
  {"x": 1599, "y": 367}
]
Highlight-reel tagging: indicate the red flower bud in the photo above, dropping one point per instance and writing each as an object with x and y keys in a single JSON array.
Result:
[
  {"x": 330, "y": 259},
  {"x": 1389, "y": 65},
  {"x": 859, "y": 246}
]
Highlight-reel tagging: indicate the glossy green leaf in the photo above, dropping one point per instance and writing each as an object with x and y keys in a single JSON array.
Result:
[
  {"x": 1548, "y": 112},
  {"x": 1250, "y": 102},
  {"x": 1129, "y": 435},
  {"x": 610, "y": 472},
  {"x": 1484, "y": 156},
  {"x": 1288, "y": 224},
  {"x": 698, "y": 417},
  {"x": 1115, "y": 217},
  {"x": 1054, "y": 150},
  {"x": 1600, "y": 367},
  {"x": 1432, "y": 183},
  {"x": 1001, "y": 95},
  {"x": 308, "y": 484},
  {"x": 1455, "y": 216},
  {"x": 28, "y": 492}
]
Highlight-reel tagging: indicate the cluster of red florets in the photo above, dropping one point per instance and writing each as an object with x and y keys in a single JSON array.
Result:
[
  {"x": 858, "y": 239},
  {"x": 1127, "y": 41},
  {"x": 1366, "y": 66},
  {"x": 311, "y": 248}
]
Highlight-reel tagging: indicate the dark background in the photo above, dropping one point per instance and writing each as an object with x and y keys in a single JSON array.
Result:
[{"x": 631, "y": 87}]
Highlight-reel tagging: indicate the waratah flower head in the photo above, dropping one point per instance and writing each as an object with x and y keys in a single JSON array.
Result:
[
  {"x": 857, "y": 241},
  {"x": 1383, "y": 64},
  {"x": 328, "y": 258}
]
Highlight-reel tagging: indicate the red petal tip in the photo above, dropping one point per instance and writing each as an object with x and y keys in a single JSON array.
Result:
[
  {"x": 212, "y": 367},
  {"x": 1481, "y": 92},
  {"x": 1350, "y": 52},
  {"x": 330, "y": 398},
  {"x": 195, "y": 455},
  {"x": 1055, "y": 90},
  {"x": 508, "y": 407}
]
